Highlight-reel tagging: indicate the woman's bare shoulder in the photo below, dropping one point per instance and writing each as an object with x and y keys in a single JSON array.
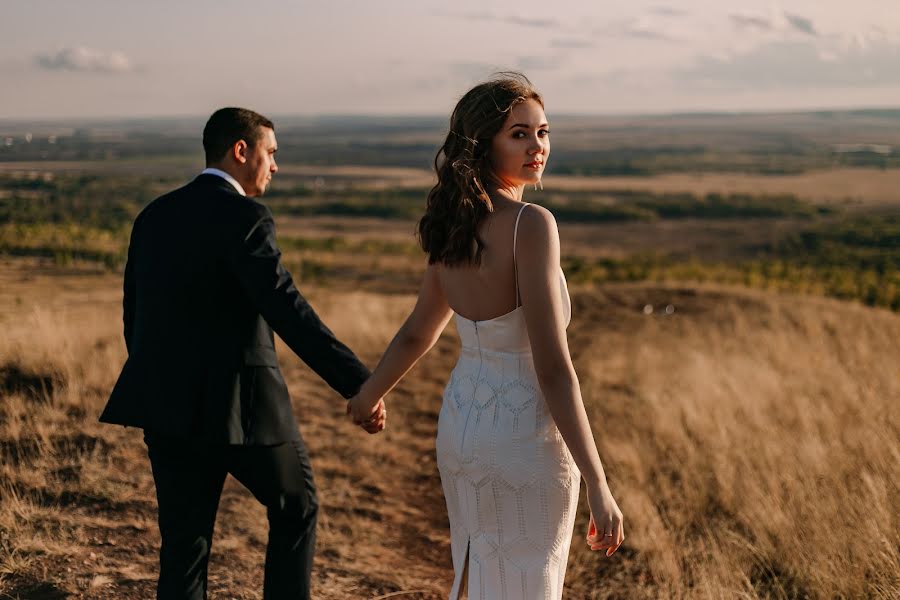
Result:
[{"x": 537, "y": 222}]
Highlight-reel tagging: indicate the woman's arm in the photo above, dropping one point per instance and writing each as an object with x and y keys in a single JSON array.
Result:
[
  {"x": 537, "y": 257},
  {"x": 417, "y": 335}
]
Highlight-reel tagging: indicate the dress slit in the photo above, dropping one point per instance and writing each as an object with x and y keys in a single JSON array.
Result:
[{"x": 462, "y": 584}]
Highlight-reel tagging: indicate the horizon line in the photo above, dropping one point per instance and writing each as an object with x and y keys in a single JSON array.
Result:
[{"x": 423, "y": 115}]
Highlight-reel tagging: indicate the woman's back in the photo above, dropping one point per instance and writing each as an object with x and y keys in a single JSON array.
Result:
[
  {"x": 488, "y": 290},
  {"x": 488, "y": 293}
]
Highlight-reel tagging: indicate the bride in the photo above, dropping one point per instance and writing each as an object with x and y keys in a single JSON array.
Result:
[{"x": 513, "y": 439}]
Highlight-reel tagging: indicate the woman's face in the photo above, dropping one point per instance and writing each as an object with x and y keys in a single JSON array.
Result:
[{"x": 520, "y": 149}]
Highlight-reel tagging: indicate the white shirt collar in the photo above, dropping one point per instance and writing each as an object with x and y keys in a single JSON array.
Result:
[{"x": 226, "y": 177}]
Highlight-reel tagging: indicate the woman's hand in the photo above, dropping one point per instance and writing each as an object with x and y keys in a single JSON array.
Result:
[
  {"x": 605, "y": 531},
  {"x": 369, "y": 416}
]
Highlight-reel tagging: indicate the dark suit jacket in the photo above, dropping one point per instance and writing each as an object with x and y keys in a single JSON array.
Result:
[{"x": 204, "y": 288}]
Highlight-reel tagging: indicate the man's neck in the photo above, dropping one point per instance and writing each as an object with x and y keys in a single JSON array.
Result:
[{"x": 220, "y": 172}]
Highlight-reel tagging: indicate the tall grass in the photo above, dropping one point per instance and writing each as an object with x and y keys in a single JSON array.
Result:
[
  {"x": 749, "y": 438},
  {"x": 753, "y": 445},
  {"x": 56, "y": 461}
]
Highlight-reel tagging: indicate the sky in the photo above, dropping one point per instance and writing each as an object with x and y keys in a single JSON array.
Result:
[{"x": 129, "y": 58}]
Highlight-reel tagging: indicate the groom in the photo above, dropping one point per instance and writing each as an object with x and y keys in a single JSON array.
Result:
[{"x": 204, "y": 289}]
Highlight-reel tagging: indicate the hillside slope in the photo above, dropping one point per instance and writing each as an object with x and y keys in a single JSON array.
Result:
[{"x": 750, "y": 439}]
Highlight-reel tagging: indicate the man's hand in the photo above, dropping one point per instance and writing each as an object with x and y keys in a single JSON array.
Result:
[{"x": 373, "y": 419}]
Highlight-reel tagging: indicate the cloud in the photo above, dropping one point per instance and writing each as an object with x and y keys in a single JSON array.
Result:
[
  {"x": 800, "y": 23},
  {"x": 512, "y": 20},
  {"x": 648, "y": 29},
  {"x": 660, "y": 23},
  {"x": 571, "y": 43},
  {"x": 751, "y": 21},
  {"x": 786, "y": 22},
  {"x": 530, "y": 22},
  {"x": 796, "y": 64},
  {"x": 80, "y": 58},
  {"x": 669, "y": 11}
]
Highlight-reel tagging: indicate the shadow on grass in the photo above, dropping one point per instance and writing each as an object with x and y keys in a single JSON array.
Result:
[
  {"x": 19, "y": 588},
  {"x": 34, "y": 386}
]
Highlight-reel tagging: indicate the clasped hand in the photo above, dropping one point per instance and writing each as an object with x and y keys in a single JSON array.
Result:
[{"x": 371, "y": 418}]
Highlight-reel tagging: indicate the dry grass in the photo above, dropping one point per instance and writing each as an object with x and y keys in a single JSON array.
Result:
[
  {"x": 749, "y": 437},
  {"x": 752, "y": 440}
]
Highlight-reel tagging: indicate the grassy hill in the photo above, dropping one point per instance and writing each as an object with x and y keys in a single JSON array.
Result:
[{"x": 748, "y": 436}]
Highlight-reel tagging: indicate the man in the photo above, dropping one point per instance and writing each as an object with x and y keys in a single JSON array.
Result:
[{"x": 204, "y": 289}]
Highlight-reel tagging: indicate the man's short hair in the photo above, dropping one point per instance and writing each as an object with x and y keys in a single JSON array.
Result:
[{"x": 227, "y": 126}]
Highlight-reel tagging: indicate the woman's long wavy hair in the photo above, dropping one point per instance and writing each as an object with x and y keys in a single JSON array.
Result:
[{"x": 459, "y": 201}]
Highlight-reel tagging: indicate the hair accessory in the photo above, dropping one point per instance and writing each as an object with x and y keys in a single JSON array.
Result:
[{"x": 468, "y": 139}]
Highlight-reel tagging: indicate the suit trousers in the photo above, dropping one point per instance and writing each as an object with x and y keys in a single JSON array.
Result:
[{"x": 189, "y": 477}]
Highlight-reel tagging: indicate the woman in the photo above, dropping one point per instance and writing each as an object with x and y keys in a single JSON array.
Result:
[{"x": 513, "y": 437}]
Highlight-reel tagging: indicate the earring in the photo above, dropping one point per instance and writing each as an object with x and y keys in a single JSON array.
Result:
[{"x": 539, "y": 183}]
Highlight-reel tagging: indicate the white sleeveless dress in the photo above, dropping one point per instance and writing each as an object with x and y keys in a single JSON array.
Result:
[{"x": 509, "y": 480}]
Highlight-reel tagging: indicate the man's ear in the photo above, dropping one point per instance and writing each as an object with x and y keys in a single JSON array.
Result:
[{"x": 239, "y": 152}]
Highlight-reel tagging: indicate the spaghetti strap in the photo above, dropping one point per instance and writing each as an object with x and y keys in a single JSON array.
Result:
[{"x": 515, "y": 265}]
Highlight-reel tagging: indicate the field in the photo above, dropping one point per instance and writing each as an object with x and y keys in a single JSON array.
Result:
[{"x": 735, "y": 331}]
